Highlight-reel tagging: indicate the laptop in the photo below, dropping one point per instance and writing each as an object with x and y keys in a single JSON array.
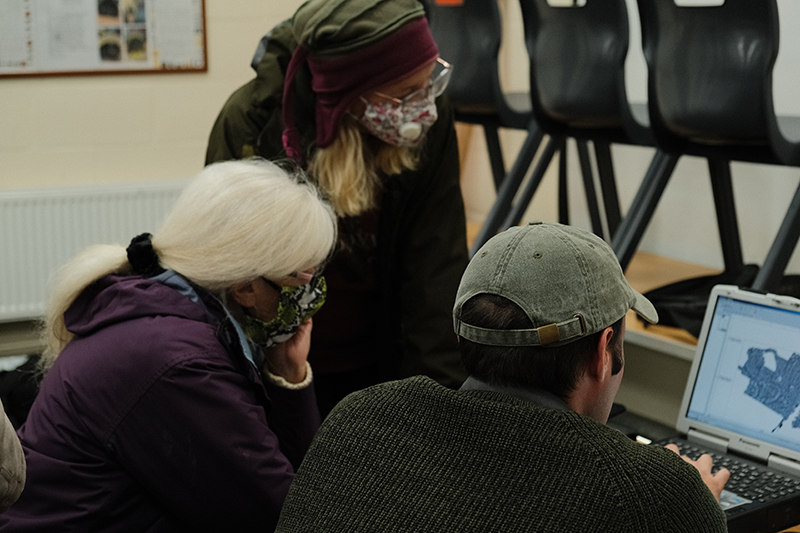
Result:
[{"x": 742, "y": 405}]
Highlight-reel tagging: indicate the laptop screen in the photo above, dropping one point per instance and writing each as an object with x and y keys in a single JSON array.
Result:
[{"x": 748, "y": 380}]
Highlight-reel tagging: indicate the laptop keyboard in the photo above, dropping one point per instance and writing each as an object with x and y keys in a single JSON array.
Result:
[{"x": 749, "y": 482}]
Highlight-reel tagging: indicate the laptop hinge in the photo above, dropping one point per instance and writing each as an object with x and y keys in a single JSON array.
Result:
[
  {"x": 784, "y": 464},
  {"x": 708, "y": 440}
]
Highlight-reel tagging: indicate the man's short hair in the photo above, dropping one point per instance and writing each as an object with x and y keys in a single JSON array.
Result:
[{"x": 554, "y": 369}]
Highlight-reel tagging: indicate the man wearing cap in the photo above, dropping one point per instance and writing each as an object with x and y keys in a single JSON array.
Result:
[
  {"x": 523, "y": 446},
  {"x": 352, "y": 90}
]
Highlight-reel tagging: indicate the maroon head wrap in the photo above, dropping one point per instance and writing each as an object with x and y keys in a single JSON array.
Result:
[{"x": 338, "y": 82}]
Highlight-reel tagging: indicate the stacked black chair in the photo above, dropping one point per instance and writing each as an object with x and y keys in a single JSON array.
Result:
[
  {"x": 577, "y": 70},
  {"x": 578, "y": 82},
  {"x": 469, "y": 34},
  {"x": 710, "y": 95}
]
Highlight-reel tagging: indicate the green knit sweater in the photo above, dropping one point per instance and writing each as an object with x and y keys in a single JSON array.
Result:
[{"x": 412, "y": 456}]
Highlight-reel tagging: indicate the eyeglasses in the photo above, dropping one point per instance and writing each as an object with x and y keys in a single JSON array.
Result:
[
  {"x": 301, "y": 277},
  {"x": 442, "y": 71}
]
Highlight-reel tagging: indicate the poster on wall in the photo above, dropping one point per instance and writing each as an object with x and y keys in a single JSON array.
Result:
[{"x": 66, "y": 37}]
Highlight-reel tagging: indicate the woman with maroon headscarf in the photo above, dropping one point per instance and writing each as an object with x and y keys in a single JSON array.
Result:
[{"x": 352, "y": 89}]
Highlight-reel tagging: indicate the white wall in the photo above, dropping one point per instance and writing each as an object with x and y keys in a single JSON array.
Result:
[
  {"x": 684, "y": 225},
  {"x": 62, "y": 131},
  {"x": 82, "y": 130}
]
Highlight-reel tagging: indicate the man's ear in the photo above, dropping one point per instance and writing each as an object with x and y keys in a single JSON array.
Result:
[
  {"x": 603, "y": 359},
  {"x": 244, "y": 294}
]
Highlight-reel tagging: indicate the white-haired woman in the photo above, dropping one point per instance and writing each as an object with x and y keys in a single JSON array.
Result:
[{"x": 176, "y": 395}]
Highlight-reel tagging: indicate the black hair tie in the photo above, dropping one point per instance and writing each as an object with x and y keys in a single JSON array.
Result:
[{"x": 142, "y": 257}]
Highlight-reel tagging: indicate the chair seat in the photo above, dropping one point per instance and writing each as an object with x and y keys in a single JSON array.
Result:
[
  {"x": 476, "y": 110},
  {"x": 758, "y": 150},
  {"x": 519, "y": 102},
  {"x": 516, "y": 113},
  {"x": 790, "y": 129},
  {"x": 640, "y": 113}
]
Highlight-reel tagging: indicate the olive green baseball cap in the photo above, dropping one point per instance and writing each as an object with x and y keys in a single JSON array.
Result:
[{"x": 567, "y": 280}]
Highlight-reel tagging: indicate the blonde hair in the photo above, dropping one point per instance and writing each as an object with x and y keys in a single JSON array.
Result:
[
  {"x": 235, "y": 221},
  {"x": 349, "y": 169}
]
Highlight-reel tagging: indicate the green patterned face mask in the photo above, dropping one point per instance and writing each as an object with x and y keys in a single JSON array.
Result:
[{"x": 296, "y": 305}]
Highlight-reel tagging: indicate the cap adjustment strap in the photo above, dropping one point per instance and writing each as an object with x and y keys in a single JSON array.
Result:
[
  {"x": 548, "y": 334},
  {"x": 541, "y": 336}
]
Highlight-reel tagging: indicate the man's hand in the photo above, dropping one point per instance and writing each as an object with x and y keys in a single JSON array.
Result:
[
  {"x": 716, "y": 481},
  {"x": 288, "y": 359}
]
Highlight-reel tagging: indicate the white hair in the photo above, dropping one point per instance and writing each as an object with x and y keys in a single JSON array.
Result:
[{"x": 235, "y": 221}]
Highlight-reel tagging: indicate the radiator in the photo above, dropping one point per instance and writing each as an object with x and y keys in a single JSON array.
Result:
[{"x": 42, "y": 229}]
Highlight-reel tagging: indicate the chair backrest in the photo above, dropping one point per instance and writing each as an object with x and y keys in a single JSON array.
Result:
[
  {"x": 577, "y": 68},
  {"x": 468, "y": 33},
  {"x": 710, "y": 71}
]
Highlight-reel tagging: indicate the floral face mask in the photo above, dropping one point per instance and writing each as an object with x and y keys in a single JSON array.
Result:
[
  {"x": 296, "y": 305},
  {"x": 400, "y": 124},
  {"x": 404, "y": 122}
]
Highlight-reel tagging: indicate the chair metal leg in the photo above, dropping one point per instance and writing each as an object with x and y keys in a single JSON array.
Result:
[
  {"x": 495, "y": 154},
  {"x": 519, "y": 208},
  {"x": 608, "y": 186},
  {"x": 588, "y": 185},
  {"x": 563, "y": 189},
  {"x": 631, "y": 228},
  {"x": 508, "y": 188},
  {"x": 771, "y": 272},
  {"x": 720, "y": 172}
]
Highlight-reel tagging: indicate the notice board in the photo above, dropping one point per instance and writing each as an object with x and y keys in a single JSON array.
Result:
[{"x": 79, "y": 37}]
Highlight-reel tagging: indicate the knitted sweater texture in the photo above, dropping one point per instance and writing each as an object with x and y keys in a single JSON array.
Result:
[{"x": 412, "y": 455}]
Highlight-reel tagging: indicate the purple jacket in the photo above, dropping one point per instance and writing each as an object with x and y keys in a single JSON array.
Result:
[{"x": 152, "y": 419}]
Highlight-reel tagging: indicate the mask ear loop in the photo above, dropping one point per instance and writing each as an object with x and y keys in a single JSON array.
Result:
[{"x": 302, "y": 276}]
